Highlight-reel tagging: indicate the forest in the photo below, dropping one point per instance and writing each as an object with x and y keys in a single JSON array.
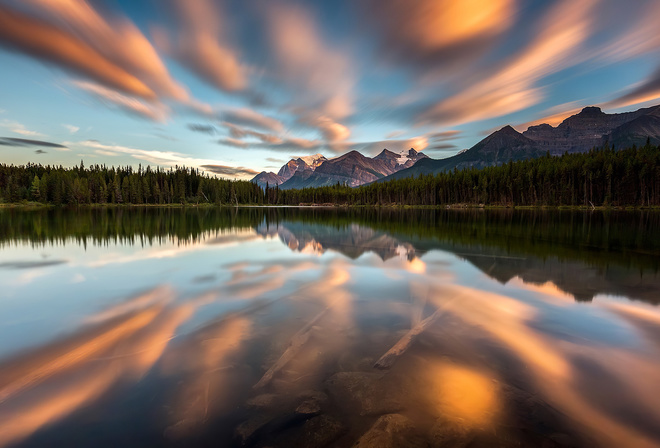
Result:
[{"x": 600, "y": 177}]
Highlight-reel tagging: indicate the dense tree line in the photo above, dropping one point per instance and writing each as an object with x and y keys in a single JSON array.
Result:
[
  {"x": 99, "y": 184},
  {"x": 629, "y": 177}
]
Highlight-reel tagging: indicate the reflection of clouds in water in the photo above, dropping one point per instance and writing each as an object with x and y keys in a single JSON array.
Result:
[
  {"x": 545, "y": 290},
  {"x": 205, "y": 384},
  {"x": 552, "y": 366},
  {"x": 123, "y": 342},
  {"x": 462, "y": 394},
  {"x": 31, "y": 264}
]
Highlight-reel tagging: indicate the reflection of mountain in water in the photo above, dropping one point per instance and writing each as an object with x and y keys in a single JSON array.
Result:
[
  {"x": 583, "y": 253},
  {"x": 574, "y": 277},
  {"x": 352, "y": 240}
]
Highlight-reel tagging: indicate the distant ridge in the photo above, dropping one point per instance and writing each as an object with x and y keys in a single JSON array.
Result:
[
  {"x": 590, "y": 128},
  {"x": 578, "y": 133}
]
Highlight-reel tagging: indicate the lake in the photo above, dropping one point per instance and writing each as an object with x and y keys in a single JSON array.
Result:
[{"x": 315, "y": 327}]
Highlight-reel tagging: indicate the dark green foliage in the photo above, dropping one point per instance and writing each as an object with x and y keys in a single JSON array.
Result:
[{"x": 101, "y": 185}]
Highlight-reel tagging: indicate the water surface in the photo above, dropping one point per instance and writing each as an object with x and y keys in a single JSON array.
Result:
[{"x": 261, "y": 327}]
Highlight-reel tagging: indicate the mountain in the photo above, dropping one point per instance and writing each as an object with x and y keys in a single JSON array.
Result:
[
  {"x": 353, "y": 169},
  {"x": 269, "y": 178},
  {"x": 496, "y": 149},
  {"x": 288, "y": 170},
  {"x": 578, "y": 133},
  {"x": 300, "y": 164},
  {"x": 593, "y": 128}
]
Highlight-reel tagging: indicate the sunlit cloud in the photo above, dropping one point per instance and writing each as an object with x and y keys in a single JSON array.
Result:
[
  {"x": 19, "y": 128},
  {"x": 513, "y": 86},
  {"x": 231, "y": 171},
  {"x": 554, "y": 115},
  {"x": 197, "y": 42},
  {"x": 153, "y": 111},
  {"x": 44, "y": 41},
  {"x": 251, "y": 118},
  {"x": 438, "y": 32},
  {"x": 320, "y": 77}
]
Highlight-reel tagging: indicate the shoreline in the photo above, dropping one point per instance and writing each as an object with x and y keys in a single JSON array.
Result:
[{"x": 39, "y": 205}]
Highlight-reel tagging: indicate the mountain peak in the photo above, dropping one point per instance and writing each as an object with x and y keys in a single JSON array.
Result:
[
  {"x": 507, "y": 130},
  {"x": 591, "y": 110},
  {"x": 386, "y": 153}
]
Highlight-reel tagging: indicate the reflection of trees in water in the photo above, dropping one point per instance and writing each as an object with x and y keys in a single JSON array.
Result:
[{"x": 585, "y": 253}]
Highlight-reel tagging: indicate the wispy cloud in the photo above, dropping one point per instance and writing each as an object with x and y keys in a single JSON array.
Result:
[
  {"x": 513, "y": 86},
  {"x": 199, "y": 43},
  {"x": 202, "y": 128},
  {"x": 19, "y": 128},
  {"x": 155, "y": 111},
  {"x": 232, "y": 171},
  {"x": 9, "y": 141},
  {"x": 72, "y": 129}
]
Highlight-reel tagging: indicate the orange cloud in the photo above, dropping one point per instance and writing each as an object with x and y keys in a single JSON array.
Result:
[
  {"x": 554, "y": 116},
  {"x": 45, "y": 41},
  {"x": 440, "y": 31},
  {"x": 321, "y": 76},
  {"x": 198, "y": 45},
  {"x": 155, "y": 111},
  {"x": 513, "y": 86},
  {"x": 119, "y": 41}
]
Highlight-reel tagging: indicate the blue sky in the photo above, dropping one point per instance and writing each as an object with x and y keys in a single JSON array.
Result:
[{"x": 237, "y": 87}]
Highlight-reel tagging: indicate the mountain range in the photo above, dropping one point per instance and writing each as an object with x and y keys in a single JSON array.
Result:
[{"x": 591, "y": 128}]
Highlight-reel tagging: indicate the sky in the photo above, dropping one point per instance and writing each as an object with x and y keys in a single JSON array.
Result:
[{"x": 234, "y": 87}]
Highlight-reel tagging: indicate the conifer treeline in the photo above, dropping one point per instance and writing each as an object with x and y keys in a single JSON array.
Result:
[
  {"x": 629, "y": 177},
  {"x": 124, "y": 185}
]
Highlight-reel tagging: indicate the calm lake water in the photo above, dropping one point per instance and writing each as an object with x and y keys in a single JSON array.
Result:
[{"x": 262, "y": 327}]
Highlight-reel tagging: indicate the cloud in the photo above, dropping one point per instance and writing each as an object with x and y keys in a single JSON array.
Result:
[
  {"x": 18, "y": 128},
  {"x": 444, "y": 136},
  {"x": 512, "y": 87},
  {"x": 373, "y": 148},
  {"x": 45, "y": 41},
  {"x": 9, "y": 141},
  {"x": 442, "y": 147},
  {"x": 647, "y": 90},
  {"x": 274, "y": 160},
  {"x": 284, "y": 144},
  {"x": 161, "y": 158},
  {"x": 202, "y": 128},
  {"x": 320, "y": 78},
  {"x": 437, "y": 32},
  {"x": 154, "y": 111},
  {"x": 40, "y": 151},
  {"x": 554, "y": 115},
  {"x": 330, "y": 130},
  {"x": 394, "y": 134},
  {"x": 72, "y": 129},
  {"x": 230, "y": 170},
  {"x": 236, "y": 143},
  {"x": 198, "y": 44},
  {"x": 251, "y": 118}
]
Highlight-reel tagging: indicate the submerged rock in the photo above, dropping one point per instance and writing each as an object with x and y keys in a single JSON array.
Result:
[
  {"x": 318, "y": 432},
  {"x": 449, "y": 434},
  {"x": 392, "y": 431},
  {"x": 364, "y": 393},
  {"x": 263, "y": 401}
]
